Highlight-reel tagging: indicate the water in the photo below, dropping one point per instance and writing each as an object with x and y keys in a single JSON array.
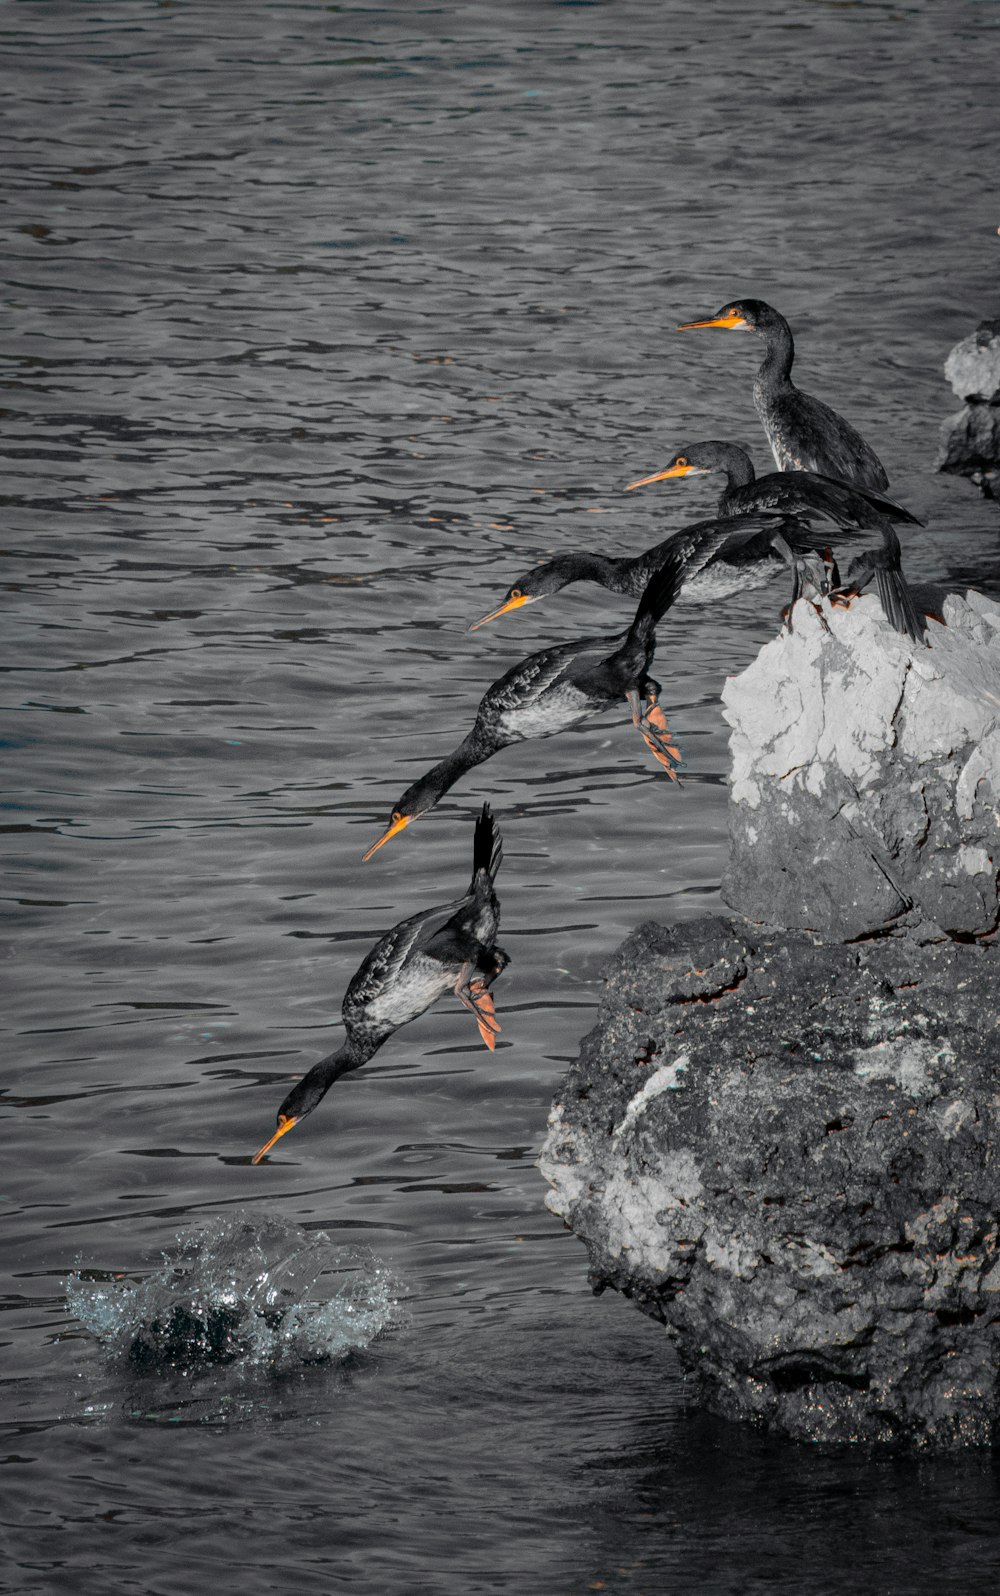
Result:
[
  {"x": 244, "y": 1292},
  {"x": 322, "y": 323}
]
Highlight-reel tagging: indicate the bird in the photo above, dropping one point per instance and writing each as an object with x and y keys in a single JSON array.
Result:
[
  {"x": 448, "y": 949},
  {"x": 747, "y": 557},
  {"x": 804, "y": 433},
  {"x": 810, "y": 494},
  {"x": 555, "y": 689}
]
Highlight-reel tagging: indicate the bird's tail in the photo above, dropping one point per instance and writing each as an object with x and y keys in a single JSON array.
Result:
[
  {"x": 897, "y": 601},
  {"x": 487, "y": 846}
]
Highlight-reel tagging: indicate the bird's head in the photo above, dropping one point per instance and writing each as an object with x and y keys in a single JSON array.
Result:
[
  {"x": 534, "y": 584},
  {"x": 739, "y": 315},
  {"x": 416, "y": 801},
  {"x": 696, "y": 459},
  {"x": 301, "y": 1100}
]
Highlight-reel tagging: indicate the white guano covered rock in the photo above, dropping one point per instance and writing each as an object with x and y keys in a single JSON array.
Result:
[{"x": 865, "y": 780}]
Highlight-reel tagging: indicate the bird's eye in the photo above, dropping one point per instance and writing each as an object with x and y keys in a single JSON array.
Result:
[
  {"x": 681, "y": 460},
  {"x": 397, "y": 814},
  {"x": 515, "y": 592}
]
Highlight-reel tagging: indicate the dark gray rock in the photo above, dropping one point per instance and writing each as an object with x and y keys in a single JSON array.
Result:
[
  {"x": 970, "y": 446},
  {"x": 970, "y": 440},
  {"x": 789, "y": 1155},
  {"x": 865, "y": 780}
]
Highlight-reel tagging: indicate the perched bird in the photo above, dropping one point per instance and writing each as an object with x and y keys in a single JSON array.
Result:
[
  {"x": 748, "y": 555},
  {"x": 555, "y": 689},
  {"x": 804, "y": 433},
  {"x": 449, "y": 949},
  {"x": 809, "y": 494}
]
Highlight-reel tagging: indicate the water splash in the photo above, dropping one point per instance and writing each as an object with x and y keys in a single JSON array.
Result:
[{"x": 246, "y": 1291}]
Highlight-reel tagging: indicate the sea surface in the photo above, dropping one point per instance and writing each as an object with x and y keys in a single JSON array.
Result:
[{"x": 321, "y": 324}]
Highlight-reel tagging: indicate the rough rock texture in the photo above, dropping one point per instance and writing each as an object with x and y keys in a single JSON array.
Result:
[
  {"x": 865, "y": 782},
  {"x": 786, "y": 1148},
  {"x": 970, "y": 440},
  {"x": 790, "y": 1155}
]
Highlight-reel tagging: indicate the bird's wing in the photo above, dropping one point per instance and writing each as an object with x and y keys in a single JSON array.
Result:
[
  {"x": 526, "y": 681},
  {"x": 733, "y": 532},
  {"x": 700, "y": 544},
  {"x": 807, "y": 493},
  {"x": 382, "y": 965},
  {"x": 825, "y": 442}
]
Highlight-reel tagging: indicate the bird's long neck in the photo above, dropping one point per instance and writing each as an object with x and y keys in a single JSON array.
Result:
[
  {"x": 358, "y": 1047},
  {"x": 774, "y": 372},
  {"x": 603, "y": 569},
  {"x": 472, "y": 750},
  {"x": 737, "y": 468}
]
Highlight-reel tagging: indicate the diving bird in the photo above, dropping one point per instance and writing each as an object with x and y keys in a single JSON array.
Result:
[
  {"x": 450, "y": 949},
  {"x": 809, "y": 494},
  {"x": 804, "y": 433},
  {"x": 752, "y": 549},
  {"x": 555, "y": 689}
]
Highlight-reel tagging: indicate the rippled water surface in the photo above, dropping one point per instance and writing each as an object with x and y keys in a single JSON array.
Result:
[{"x": 321, "y": 323}]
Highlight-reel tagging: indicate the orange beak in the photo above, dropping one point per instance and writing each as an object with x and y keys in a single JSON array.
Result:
[
  {"x": 714, "y": 321},
  {"x": 396, "y": 827},
  {"x": 661, "y": 476},
  {"x": 285, "y": 1123},
  {"x": 511, "y": 604}
]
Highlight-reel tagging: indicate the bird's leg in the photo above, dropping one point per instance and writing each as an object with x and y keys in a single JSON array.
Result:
[
  {"x": 806, "y": 568},
  {"x": 832, "y": 571},
  {"x": 652, "y": 725},
  {"x": 472, "y": 990},
  {"x": 859, "y": 574}
]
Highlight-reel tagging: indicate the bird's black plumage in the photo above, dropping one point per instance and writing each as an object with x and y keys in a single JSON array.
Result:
[
  {"x": 804, "y": 433},
  {"x": 748, "y": 552},
  {"x": 556, "y": 689},
  {"x": 451, "y": 948},
  {"x": 810, "y": 495}
]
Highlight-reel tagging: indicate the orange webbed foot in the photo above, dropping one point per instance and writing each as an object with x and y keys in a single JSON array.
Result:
[
  {"x": 667, "y": 754},
  {"x": 656, "y": 735},
  {"x": 652, "y": 725},
  {"x": 476, "y": 997}
]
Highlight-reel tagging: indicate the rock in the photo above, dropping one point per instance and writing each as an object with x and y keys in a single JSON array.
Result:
[
  {"x": 970, "y": 440},
  {"x": 973, "y": 366},
  {"x": 781, "y": 1140},
  {"x": 788, "y": 1154},
  {"x": 865, "y": 781},
  {"x": 970, "y": 445}
]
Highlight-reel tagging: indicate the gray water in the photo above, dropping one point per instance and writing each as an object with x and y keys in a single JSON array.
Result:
[{"x": 322, "y": 322}]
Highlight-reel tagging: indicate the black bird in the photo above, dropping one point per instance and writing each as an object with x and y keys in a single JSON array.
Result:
[
  {"x": 749, "y": 553},
  {"x": 809, "y": 494},
  {"x": 449, "y": 949},
  {"x": 555, "y": 689},
  {"x": 804, "y": 433}
]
